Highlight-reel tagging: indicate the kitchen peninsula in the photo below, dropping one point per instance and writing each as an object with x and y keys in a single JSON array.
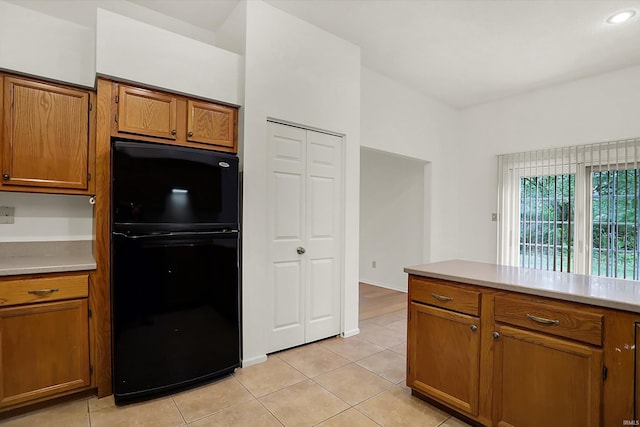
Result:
[{"x": 520, "y": 347}]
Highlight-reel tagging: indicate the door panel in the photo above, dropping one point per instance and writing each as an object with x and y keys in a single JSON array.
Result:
[
  {"x": 444, "y": 356},
  {"x": 49, "y": 123},
  {"x": 287, "y": 151},
  {"x": 321, "y": 273},
  {"x": 147, "y": 112},
  {"x": 563, "y": 390},
  {"x": 323, "y": 234},
  {"x": 322, "y": 221},
  {"x": 210, "y": 123},
  {"x": 304, "y": 197},
  {"x": 287, "y": 208},
  {"x": 287, "y": 295},
  {"x": 44, "y": 350}
]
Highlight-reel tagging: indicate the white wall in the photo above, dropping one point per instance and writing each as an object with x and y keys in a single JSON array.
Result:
[
  {"x": 391, "y": 217},
  {"x": 44, "y": 46},
  {"x": 601, "y": 108},
  {"x": 47, "y": 217},
  {"x": 83, "y": 12},
  {"x": 134, "y": 51},
  {"x": 397, "y": 119},
  {"x": 301, "y": 74}
]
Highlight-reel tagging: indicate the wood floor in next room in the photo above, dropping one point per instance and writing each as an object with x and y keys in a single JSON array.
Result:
[{"x": 356, "y": 381}]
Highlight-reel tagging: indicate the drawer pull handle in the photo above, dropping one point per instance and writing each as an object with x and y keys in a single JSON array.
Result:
[
  {"x": 441, "y": 297},
  {"x": 41, "y": 292},
  {"x": 543, "y": 320}
]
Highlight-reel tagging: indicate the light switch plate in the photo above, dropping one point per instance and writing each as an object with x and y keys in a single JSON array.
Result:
[{"x": 7, "y": 214}]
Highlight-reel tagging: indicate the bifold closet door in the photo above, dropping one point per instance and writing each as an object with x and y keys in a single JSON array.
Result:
[{"x": 304, "y": 195}]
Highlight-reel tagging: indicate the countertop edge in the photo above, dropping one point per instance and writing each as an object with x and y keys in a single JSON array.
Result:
[
  {"x": 526, "y": 289},
  {"x": 47, "y": 269}
]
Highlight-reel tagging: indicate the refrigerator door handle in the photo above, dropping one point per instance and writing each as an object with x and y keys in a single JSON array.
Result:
[{"x": 174, "y": 234}]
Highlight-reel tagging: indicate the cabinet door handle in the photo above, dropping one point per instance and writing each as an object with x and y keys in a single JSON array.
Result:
[
  {"x": 5, "y": 176},
  {"x": 495, "y": 335},
  {"x": 441, "y": 297},
  {"x": 41, "y": 292},
  {"x": 173, "y": 132},
  {"x": 190, "y": 133},
  {"x": 474, "y": 328},
  {"x": 543, "y": 320}
]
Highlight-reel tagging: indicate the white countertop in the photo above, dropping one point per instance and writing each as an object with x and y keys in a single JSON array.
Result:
[
  {"x": 599, "y": 291},
  {"x": 45, "y": 257}
]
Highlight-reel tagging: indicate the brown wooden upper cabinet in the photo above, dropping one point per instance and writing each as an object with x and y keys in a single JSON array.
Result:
[
  {"x": 210, "y": 123},
  {"x": 146, "y": 112},
  {"x": 46, "y": 138},
  {"x": 151, "y": 115}
]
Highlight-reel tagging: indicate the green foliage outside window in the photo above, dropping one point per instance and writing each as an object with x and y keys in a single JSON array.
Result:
[{"x": 547, "y": 222}]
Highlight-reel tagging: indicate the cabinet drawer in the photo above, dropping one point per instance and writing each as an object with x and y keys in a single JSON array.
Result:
[
  {"x": 42, "y": 289},
  {"x": 550, "y": 317},
  {"x": 445, "y": 295}
]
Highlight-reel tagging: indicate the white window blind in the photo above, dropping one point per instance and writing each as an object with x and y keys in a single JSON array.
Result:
[{"x": 573, "y": 209}]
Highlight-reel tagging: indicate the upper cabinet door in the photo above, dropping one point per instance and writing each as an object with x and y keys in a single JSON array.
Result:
[
  {"x": 211, "y": 124},
  {"x": 146, "y": 112},
  {"x": 46, "y": 135}
]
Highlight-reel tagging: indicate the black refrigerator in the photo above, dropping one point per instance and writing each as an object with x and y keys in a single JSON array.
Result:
[{"x": 175, "y": 267}]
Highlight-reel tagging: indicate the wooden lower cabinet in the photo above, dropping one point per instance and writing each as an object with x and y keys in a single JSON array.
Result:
[
  {"x": 44, "y": 350},
  {"x": 507, "y": 359},
  {"x": 443, "y": 350},
  {"x": 637, "y": 379},
  {"x": 545, "y": 381}
]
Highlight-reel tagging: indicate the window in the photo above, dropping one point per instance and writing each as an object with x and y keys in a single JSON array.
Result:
[
  {"x": 614, "y": 218},
  {"x": 572, "y": 209},
  {"x": 546, "y": 222}
]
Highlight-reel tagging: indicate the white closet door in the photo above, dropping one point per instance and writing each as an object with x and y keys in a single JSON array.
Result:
[
  {"x": 305, "y": 235},
  {"x": 287, "y": 156},
  {"x": 323, "y": 236}
]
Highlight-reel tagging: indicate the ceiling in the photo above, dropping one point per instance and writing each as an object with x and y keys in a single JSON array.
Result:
[{"x": 462, "y": 52}]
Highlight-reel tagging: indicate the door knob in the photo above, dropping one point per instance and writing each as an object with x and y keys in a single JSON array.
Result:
[{"x": 300, "y": 250}]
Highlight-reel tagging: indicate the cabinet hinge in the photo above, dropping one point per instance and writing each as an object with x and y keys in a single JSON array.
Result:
[
  {"x": 604, "y": 373},
  {"x": 90, "y": 369},
  {"x": 90, "y": 106},
  {"x": 89, "y": 176},
  {"x": 117, "y": 99},
  {"x": 408, "y": 369},
  {"x": 116, "y": 118},
  {"x": 90, "y": 313},
  {"x": 409, "y": 315}
]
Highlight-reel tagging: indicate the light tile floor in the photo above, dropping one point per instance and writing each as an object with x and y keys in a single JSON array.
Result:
[{"x": 357, "y": 381}]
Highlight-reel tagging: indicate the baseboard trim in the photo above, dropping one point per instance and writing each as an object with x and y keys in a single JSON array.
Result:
[
  {"x": 254, "y": 361},
  {"x": 351, "y": 333},
  {"x": 369, "y": 282}
]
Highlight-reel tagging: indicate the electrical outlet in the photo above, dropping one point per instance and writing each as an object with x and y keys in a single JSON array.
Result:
[
  {"x": 6, "y": 214},
  {"x": 373, "y": 264}
]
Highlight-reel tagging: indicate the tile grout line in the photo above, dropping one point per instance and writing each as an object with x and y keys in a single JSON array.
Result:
[{"x": 178, "y": 408}]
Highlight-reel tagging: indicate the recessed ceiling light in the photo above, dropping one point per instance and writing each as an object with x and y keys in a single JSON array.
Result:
[{"x": 621, "y": 17}]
